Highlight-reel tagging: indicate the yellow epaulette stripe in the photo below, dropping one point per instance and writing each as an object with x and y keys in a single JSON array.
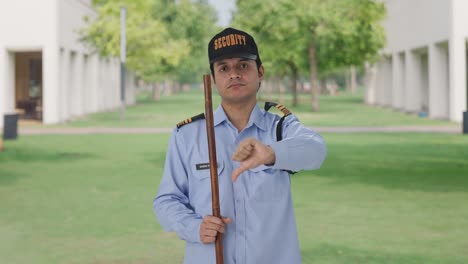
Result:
[
  {"x": 283, "y": 109},
  {"x": 190, "y": 120}
]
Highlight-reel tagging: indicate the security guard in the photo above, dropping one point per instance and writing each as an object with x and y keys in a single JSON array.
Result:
[{"x": 256, "y": 151}]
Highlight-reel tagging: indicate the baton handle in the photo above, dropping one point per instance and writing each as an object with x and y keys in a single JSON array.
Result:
[{"x": 213, "y": 163}]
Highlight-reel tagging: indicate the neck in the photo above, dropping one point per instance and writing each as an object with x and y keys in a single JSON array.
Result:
[{"x": 238, "y": 114}]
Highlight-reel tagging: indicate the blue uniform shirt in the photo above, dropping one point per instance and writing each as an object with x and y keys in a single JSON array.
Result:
[{"x": 263, "y": 230}]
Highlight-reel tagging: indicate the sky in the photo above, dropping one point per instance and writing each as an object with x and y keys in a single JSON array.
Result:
[{"x": 224, "y": 8}]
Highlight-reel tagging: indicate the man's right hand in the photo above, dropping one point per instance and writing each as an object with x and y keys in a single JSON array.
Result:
[{"x": 210, "y": 227}]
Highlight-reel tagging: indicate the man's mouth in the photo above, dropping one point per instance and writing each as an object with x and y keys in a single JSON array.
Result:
[{"x": 235, "y": 85}]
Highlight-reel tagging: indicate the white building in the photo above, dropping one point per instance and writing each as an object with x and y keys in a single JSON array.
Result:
[
  {"x": 46, "y": 73},
  {"x": 424, "y": 65}
]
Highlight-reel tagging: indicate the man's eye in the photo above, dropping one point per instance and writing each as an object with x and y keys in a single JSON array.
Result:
[
  {"x": 244, "y": 65},
  {"x": 222, "y": 69}
]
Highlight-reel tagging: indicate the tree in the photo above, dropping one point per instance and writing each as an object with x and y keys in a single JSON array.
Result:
[
  {"x": 328, "y": 34},
  {"x": 149, "y": 46},
  {"x": 165, "y": 38},
  {"x": 195, "y": 23},
  {"x": 278, "y": 37}
]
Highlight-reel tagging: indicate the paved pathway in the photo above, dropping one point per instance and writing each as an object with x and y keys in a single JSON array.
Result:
[{"x": 147, "y": 130}]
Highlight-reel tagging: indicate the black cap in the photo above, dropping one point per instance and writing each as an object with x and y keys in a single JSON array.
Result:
[{"x": 233, "y": 43}]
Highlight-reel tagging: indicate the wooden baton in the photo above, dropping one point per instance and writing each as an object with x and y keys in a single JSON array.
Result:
[{"x": 213, "y": 163}]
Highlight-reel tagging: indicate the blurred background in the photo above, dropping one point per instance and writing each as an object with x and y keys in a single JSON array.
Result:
[{"x": 90, "y": 91}]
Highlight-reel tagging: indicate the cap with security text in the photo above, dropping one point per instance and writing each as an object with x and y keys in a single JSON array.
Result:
[{"x": 233, "y": 43}]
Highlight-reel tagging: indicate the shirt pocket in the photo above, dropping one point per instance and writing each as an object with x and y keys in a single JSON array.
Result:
[
  {"x": 267, "y": 184},
  {"x": 200, "y": 189}
]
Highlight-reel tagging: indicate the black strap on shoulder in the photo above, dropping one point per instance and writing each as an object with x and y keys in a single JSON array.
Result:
[
  {"x": 279, "y": 126},
  {"x": 190, "y": 120}
]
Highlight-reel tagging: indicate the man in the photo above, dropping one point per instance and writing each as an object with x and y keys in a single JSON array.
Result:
[{"x": 253, "y": 167}]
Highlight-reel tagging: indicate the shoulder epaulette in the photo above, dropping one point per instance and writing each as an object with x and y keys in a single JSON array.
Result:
[
  {"x": 281, "y": 107},
  {"x": 279, "y": 126},
  {"x": 190, "y": 120}
]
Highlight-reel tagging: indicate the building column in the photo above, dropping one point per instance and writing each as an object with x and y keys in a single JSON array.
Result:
[
  {"x": 86, "y": 92},
  {"x": 93, "y": 66},
  {"x": 398, "y": 80},
  {"x": 7, "y": 83},
  {"x": 387, "y": 93},
  {"x": 106, "y": 95},
  {"x": 457, "y": 61},
  {"x": 51, "y": 84},
  {"x": 78, "y": 72},
  {"x": 3, "y": 83},
  {"x": 457, "y": 92},
  {"x": 371, "y": 82},
  {"x": 438, "y": 82},
  {"x": 64, "y": 77},
  {"x": 115, "y": 86},
  {"x": 72, "y": 84},
  {"x": 424, "y": 81},
  {"x": 412, "y": 82},
  {"x": 380, "y": 82}
]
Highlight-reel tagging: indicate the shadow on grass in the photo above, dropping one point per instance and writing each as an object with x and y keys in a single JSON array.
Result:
[
  {"x": 13, "y": 157},
  {"x": 23, "y": 154},
  {"x": 334, "y": 254},
  {"x": 8, "y": 176},
  {"x": 417, "y": 167}
]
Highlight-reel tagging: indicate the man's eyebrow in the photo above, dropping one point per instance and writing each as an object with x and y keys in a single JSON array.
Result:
[{"x": 220, "y": 63}]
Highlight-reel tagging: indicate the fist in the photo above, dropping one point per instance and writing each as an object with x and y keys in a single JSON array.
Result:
[
  {"x": 252, "y": 153},
  {"x": 211, "y": 226}
]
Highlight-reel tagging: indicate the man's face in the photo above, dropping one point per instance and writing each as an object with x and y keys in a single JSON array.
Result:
[{"x": 237, "y": 79}]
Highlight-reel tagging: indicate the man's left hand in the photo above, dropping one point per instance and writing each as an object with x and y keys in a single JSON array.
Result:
[{"x": 251, "y": 153}]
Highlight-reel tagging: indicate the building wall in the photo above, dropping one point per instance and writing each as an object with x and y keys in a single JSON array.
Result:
[
  {"x": 75, "y": 80},
  {"x": 427, "y": 41},
  {"x": 414, "y": 23},
  {"x": 19, "y": 35},
  {"x": 457, "y": 59}
]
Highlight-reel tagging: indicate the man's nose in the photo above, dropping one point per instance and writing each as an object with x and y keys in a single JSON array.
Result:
[{"x": 234, "y": 73}]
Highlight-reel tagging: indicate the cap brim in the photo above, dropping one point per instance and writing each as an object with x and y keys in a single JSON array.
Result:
[{"x": 235, "y": 55}]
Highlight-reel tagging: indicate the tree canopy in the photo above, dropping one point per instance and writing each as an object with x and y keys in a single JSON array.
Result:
[
  {"x": 164, "y": 37},
  {"x": 168, "y": 38},
  {"x": 318, "y": 36}
]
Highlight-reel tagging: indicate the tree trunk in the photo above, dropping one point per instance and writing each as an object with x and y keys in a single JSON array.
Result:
[
  {"x": 353, "y": 80},
  {"x": 294, "y": 74},
  {"x": 261, "y": 91},
  {"x": 313, "y": 78},
  {"x": 275, "y": 88},
  {"x": 348, "y": 81},
  {"x": 168, "y": 87},
  {"x": 156, "y": 91},
  {"x": 177, "y": 86},
  {"x": 281, "y": 92},
  {"x": 269, "y": 88}
]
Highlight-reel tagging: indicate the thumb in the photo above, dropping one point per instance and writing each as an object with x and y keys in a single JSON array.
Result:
[
  {"x": 227, "y": 220},
  {"x": 238, "y": 171}
]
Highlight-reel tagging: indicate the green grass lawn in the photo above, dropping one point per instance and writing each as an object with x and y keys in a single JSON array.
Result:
[
  {"x": 379, "y": 198},
  {"x": 344, "y": 110}
]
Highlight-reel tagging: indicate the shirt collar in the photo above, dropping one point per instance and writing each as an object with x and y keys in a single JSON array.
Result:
[{"x": 256, "y": 117}]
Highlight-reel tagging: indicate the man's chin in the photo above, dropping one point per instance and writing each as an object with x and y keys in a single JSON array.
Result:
[{"x": 239, "y": 99}]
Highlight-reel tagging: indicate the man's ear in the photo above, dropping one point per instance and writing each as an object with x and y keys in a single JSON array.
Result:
[{"x": 261, "y": 72}]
